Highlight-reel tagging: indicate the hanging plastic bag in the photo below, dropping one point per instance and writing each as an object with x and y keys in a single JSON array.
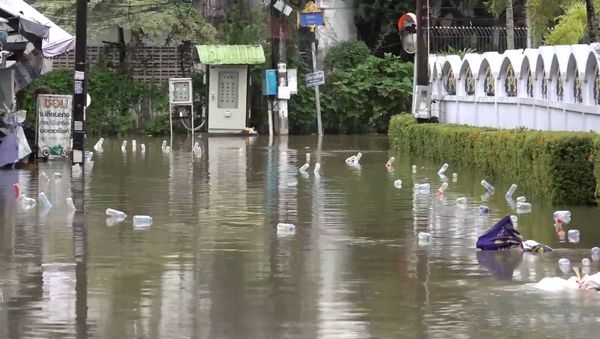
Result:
[{"x": 24, "y": 149}]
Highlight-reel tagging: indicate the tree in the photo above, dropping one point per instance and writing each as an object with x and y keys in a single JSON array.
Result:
[
  {"x": 572, "y": 25},
  {"x": 497, "y": 7}
]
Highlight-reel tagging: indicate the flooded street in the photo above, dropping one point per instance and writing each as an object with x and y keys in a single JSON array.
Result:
[{"x": 213, "y": 265}]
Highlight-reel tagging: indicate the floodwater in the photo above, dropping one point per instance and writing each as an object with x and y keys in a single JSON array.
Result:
[{"x": 213, "y": 265}]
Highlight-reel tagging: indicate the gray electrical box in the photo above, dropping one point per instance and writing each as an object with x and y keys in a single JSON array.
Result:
[{"x": 422, "y": 109}]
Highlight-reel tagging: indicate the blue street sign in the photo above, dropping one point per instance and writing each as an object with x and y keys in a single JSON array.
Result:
[{"x": 311, "y": 19}]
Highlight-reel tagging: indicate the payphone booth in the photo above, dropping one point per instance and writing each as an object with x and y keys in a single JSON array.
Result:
[{"x": 227, "y": 74}]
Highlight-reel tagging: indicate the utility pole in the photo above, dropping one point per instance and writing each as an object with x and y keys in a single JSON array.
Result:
[
  {"x": 421, "y": 53},
  {"x": 80, "y": 90},
  {"x": 591, "y": 20},
  {"x": 278, "y": 59}
]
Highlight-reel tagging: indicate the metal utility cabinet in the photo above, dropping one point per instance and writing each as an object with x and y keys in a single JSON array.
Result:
[{"x": 227, "y": 70}]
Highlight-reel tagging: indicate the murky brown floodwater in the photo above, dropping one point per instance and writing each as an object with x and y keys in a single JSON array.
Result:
[{"x": 213, "y": 266}]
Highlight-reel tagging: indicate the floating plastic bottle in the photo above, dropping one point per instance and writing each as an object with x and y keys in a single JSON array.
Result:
[
  {"x": 303, "y": 168},
  {"x": 308, "y": 158},
  {"x": 167, "y": 149},
  {"x": 44, "y": 202},
  {"x": 164, "y": 144},
  {"x": 586, "y": 262},
  {"x": 564, "y": 264},
  {"x": 562, "y": 217},
  {"x": 124, "y": 146},
  {"x": 424, "y": 236},
  {"x": 115, "y": 213},
  {"x": 99, "y": 144},
  {"x": 142, "y": 220},
  {"x": 442, "y": 189},
  {"x": 454, "y": 177},
  {"x": 390, "y": 162},
  {"x": 350, "y": 160},
  {"x": 133, "y": 145},
  {"x": 514, "y": 219},
  {"x": 484, "y": 209},
  {"x": 143, "y": 148},
  {"x": 70, "y": 204},
  {"x": 487, "y": 186},
  {"x": 443, "y": 169},
  {"x": 398, "y": 183},
  {"x": 523, "y": 207},
  {"x": 521, "y": 199},
  {"x": 357, "y": 159},
  {"x": 461, "y": 201},
  {"x": 511, "y": 191},
  {"x": 414, "y": 169},
  {"x": 317, "y": 169},
  {"x": 89, "y": 155},
  {"x": 288, "y": 228}
]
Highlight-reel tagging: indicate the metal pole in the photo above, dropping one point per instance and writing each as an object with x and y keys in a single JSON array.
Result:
[
  {"x": 317, "y": 95},
  {"x": 80, "y": 89}
]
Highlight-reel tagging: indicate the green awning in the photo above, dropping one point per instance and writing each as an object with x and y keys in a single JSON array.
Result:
[{"x": 230, "y": 54}]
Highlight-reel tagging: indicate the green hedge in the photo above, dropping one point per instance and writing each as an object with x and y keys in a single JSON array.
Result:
[{"x": 546, "y": 165}]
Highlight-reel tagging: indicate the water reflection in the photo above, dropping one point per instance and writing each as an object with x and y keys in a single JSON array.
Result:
[{"x": 212, "y": 264}]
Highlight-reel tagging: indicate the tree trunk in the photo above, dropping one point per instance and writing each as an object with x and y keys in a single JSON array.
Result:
[
  {"x": 122, "y": 51},
  {"x": 510, "y": 25},
  {"x": 592, "y": 21},
  {"x": 530, "y": 28}
]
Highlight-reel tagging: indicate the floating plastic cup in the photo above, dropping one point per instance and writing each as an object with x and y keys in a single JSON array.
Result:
[
  {"x": 164, "y": 144},
  {"x": 562, "y": 217},
  {"x": 484, "y": 209},
  {"x": 511, "y": 191},
  {"x": 596, "y": 251},
  {"x": 443, "y": 169},
  {"x": 44, "y": 202},
  {"x": 133, "y": 145},
  {"x": 71, "y": 205},
  {"x": 303, "y": 168},
  {"x": 115, "y": 214},
  {"x": 487, "y": 186},
  {"x": 390, "y": 162},
  {"x": 573, "y": 236},
  {"x": 398, "y": 183},
  {"x": 317, "y": 168},
  {"x": 564, "y": 264},
  {"x": 586, "y": 262},
  {"x": 142, "y": 221},
  {"x": 521, "y": 199},
  {"x": 414, "y": 169},
  {"x": 424, "y": 236}
]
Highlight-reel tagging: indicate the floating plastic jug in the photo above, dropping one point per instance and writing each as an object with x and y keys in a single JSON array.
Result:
[
  {"x": 511, "y": 191},
  {"x": 317, "y": 169},
  {"x": 142, "y": 220},
  {"x": 443, "y": 169},
  {"x": 398, "y": 183},
  {"x": 487, "y": 186},
  {"x": 303, "y": 168},
  {"x": 390, "y": 162},
  {"x": 70, "y": 204},
  {"x": 115, "y": 213}
]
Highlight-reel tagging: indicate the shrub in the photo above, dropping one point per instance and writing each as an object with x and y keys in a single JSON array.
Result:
[
  {"x": 346, "y": 55},
  {"x": 546, "y": 165}
]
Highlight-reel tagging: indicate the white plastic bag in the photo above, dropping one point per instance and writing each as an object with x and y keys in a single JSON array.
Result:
[{"x": 24, "y": 149}]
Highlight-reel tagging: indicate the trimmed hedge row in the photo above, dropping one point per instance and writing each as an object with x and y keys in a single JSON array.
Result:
[{"x": 558, "y": 166}]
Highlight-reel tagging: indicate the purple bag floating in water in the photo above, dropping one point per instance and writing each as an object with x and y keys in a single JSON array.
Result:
[{"x": 500, "y": 236}]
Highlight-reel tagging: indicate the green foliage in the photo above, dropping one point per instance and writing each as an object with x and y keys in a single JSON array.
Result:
[
  {"x": 159, "y": 125},
  {"x": 346, "y": 55},
  {"x": 356, "y": 100},
  {"x": 546, "y": 165},
  {"x": 571, "y": 26},
  {"x": 114, "y": 98}
]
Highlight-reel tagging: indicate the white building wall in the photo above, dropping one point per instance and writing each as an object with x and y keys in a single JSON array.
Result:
[{"x": 339, "y": 24}]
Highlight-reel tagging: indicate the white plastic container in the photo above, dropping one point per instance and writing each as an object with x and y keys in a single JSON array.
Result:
[
  {"x": 350, "y": 160},
  {"x": 390, "y": 162},
  {"x": 487, "y": 186},
  {"x": 521, "y": 199},
  {"x": 284, "y": 227},
  {"x": 564, "y": 264},
  {"x": 442, "y": 188},
  {"x": 317, "y": 169},
  {"x": 511, "y": 191},
  {"x": 586, "y": 262},
  {"x": 142, "y": 221},
  {"x": 99, "y": 143},
  {"x": 443, "y": 169},
  {"x": 115, "y": 213},
  {"x": 357, "y": 159},
  {"x": 398, "y": 183},
  {"x": 573, "y": 236},
  {"x": 562, "y": 217}
]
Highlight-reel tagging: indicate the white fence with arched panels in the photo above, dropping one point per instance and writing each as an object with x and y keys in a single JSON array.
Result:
[{"x": 549, "y": 88}]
